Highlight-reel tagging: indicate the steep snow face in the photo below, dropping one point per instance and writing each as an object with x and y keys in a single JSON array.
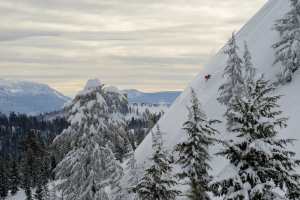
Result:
[
  {"x": 165, "y": 98},
  {"x": 28, "y": 97},
  {"x": 260, "y": 36}
]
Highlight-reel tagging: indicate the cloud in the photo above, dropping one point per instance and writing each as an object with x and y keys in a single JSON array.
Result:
[{"x": 143, "y": 44}]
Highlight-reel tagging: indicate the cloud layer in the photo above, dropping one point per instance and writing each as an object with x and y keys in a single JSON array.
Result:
[{"x": 143, "y": 44}]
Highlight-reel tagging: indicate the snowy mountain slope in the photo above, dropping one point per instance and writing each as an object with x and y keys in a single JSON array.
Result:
[
  {"x": 260, "y": 37},
  {"x": 29, "y": 97},
  {"x": 167, "y": 97}
]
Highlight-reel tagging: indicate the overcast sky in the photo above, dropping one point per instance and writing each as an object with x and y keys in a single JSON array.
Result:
[{"x": 149, "y": 45}]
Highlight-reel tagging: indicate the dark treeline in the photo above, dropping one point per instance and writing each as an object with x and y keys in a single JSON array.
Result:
[
  {"x": 139, "y": 127},
  {"x": 26, "y": 158}
]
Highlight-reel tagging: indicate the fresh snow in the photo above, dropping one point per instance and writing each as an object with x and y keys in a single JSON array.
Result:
[
  {"x": 19, "y": 196},
  {"x": 165, "y": 97},
  {"x": 260, "y": 36},
  {"x": 228, "y": 172}
]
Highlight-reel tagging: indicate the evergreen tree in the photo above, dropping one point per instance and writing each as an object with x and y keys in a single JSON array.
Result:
[
  {"x": 288, "y": 48},
  {"x": 52, "y": 192},
  {"x": 250, "y": 70},
  {"x": 157, "y": 139},
  {"x": 233, "y": 74},
  {"x": 53, "y": 164},
  {"x": 14, "y": 130},
  {"x": 33, "y": 165},
  {"x": 193, "y": 153},
  {"x": 233, "y": 86},
  {"x": 133, "y": 175},
  {"x": 157, "y": 182},
  {"x": 115, "y": 172},
  {"x": 28, "y": 193},
  {"x": 260, "y": 164},
  {"x": 89, "y": 165},
  {"x": 120, "y": 143},
  {"x": 86, "y": 170},
  {"x": 39, "y": 193},
  {"x": 14, "y": 181},
  {"x": 130, "y": 179},
  {"x": 133, "y": 170},
  {"x": 4, "y": 182},
  {"x": 27, "y": 181},
  {"x": 42, "y": 192}
]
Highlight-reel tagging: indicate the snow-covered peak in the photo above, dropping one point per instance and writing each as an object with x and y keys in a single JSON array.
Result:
[
  {"x": 29, "y": 97},
  {"x": 19, "y": 87},
  {"x": 92, "y": 84},
  {"x": 163, "y": 97}
]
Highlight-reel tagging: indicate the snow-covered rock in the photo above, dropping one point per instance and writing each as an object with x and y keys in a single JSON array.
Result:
[
  {"x": 92, "y": 84},
  {"x": 260, "y": 36},
  {"x": 112, "y": 89},
  {"x": 29, "y": 97}
]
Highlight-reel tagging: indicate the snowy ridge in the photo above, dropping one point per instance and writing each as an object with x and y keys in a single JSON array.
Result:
[
  {"x": 29, "y": 97},
  {"x": 259, "y": 35},
  {"x": 21, "y": 87},
  {"x": 165, "y": 97}
]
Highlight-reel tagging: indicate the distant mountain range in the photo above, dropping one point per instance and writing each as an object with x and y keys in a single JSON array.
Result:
[
  {"x": 35, "y": 98},
  {"x": 166, "y": 97},
  {"x": 28, "y": 97}
]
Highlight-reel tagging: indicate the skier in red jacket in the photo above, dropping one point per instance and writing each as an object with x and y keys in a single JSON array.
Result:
[{"x": 207, "y": 77}]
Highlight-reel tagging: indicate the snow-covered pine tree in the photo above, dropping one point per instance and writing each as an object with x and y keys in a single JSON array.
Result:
[
  {"x": 133, "y": 170},
  {"x": 4, "y": 184},
  {"x": 260, "y": 164},
  {"x": 193, "y": 153},
  {"x": 233, "y": 86},
  {"x": 32, "y": 163},
  {"x": 14, "y": 178},
  {"x": 250, "y": 70},
  {"x": 89, "y": 166},
  {"x": 130, "y": 179},
  {"x": 133, "y": 173},
  {"x": 114, "y": 175},
  {"x": 41, "y": 192},
  {"x": 157, "y": 182},
  {"x": 26, "y": 181},
  {"x": 288, "y": 47},
  {"x": 157, "y": 139},
  {"x": 120, "y": 143},
  {"x": 116, "y": 105},
  {"x": 232, "y": 73},
  {"x": 52, "y": 192}
]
